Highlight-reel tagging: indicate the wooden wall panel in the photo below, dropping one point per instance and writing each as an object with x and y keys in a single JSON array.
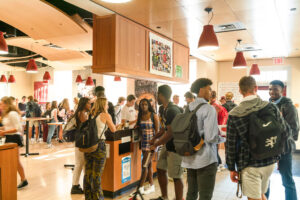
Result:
[{"x": 181, "y": 58}]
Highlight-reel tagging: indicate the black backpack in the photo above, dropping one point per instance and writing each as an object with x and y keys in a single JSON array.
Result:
[
  {"x": 266, "y": 134},
  {"x": 86, "y": 138},
  {"x": 37, "y": 110},
  {"x": 186, "y": 138}
]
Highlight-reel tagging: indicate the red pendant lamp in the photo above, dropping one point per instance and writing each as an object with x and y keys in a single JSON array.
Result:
[
  {"x": 3, "y": 45},
  {"x": 239, "y": 60},
  {"x": 254, "y": 69},
  {"x": 117, "y": 78},
  {"x": 208, "y": 39},
  {"x": 89, "y": 81},
  {"x": 3, "y": 79},
  {"x": 11, "y": 79},
  {"x": 78, "y": 79},
  {"x": 31, "y": 66},
  {"x": 46, "y": 76}
]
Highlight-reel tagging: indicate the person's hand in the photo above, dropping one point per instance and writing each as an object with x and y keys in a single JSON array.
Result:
[
  {"x": 234, "y": 176},
  {"x": 153, "y": 146},
  {"x": 152, "y": 141}
]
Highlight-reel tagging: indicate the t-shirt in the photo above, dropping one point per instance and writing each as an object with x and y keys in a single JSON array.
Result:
[
  {"x": 118, "y": 109},
  {"x": 128, "y": 114},
  {"x": 12, "y": 121},
  {"x": 22, "y": 106},
  {"x": 168, "y": 115}
]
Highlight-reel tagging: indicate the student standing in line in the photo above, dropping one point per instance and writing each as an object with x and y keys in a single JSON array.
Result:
[
  {"x": 22, "y": 106},
  {"x": 95, "y": 161},
  {"x": 229, "y": 105},
  {"x": 148, "y": 124},
  {"x": 12, "y": 130},
  {"x": 118, "y": 109},
  {"x": 53, "y": 117},
  {"x": 81, "y": 115}
]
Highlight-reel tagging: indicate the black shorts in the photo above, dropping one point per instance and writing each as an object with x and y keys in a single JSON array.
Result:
[{"x": 16, "y": 138}]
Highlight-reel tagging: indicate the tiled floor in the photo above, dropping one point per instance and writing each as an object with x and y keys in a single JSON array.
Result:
[{"x": 49, "y": 180}]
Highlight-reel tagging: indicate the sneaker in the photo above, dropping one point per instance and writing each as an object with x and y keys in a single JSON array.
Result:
[
  {"x": 222, "y": 167},
  {"x": 61, "y": 141},
  {"x": 49, "y": 146},
  {"x": 76, "y": 189},
  {"x": 151, "y": 189},
  {"x": 32, "y": 141},
  {"x": 40, "y": 140},
  {"x": 23, "y": 184},
  {"x": 141, "y": 189}
]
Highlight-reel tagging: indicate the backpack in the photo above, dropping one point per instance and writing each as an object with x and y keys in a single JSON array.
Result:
[
  {"x": 34, "y": 110},
  {"x": 186, "y": 138},
  {"x": 86, "y": 137},
  {"x": 266, "y": 134},
  {"x": 37, "y": 110}
]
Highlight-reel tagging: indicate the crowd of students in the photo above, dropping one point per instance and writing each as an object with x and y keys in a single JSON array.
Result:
[{"x": 155, "y": 130}]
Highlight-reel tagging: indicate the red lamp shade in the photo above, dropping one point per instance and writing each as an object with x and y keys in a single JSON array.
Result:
[
  {"x": 31, "y": 66},
  {"x": 3, "y": 79},
  {"x": 89, "y": 81},
  {"x": 3, "y": 45},
  {"x": 47, "y": 76},
  {"x": 117, "y": 78},
  {"x": 78, "y": 79},
  {"x": 239, "y": 61},
  {"x": 254, "y": 70},
  {"x": 11, "y": 79},
  {"x": 208, "y": 39}
]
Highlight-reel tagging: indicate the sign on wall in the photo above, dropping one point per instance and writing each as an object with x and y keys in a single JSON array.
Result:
[
  {"x": 41, "y": 91},
  {"x": 161, "y": 60},
  {"x": 126, "y": 169}
]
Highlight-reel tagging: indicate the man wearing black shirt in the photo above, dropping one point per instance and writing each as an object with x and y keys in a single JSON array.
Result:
[
  {"x": 22, "y": 106},
  {"x": 168, "y": 160}
]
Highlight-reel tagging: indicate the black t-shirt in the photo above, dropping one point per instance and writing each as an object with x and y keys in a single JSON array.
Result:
[
  {"x": 168, "y": 115},
  {"x": 22, "y": 106}
]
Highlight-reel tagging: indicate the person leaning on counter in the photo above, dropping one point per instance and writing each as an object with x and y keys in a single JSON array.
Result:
[{"x": 128, "y": 113}]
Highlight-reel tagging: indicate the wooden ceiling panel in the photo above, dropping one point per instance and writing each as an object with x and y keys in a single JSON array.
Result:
[
  {"x": 50, "y": 53},
  {"x": 38, "y": 19}
]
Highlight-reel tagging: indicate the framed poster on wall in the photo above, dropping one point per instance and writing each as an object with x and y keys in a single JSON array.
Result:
[
  {"x": 161, "y": 58},
  {"x": 41, "y": 91}
]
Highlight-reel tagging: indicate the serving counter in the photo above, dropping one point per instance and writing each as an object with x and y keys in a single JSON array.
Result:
[{"x": 123, "y": 166}]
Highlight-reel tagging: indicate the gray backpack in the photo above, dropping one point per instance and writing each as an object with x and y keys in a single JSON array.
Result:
[{"x": 186, "y": 138}]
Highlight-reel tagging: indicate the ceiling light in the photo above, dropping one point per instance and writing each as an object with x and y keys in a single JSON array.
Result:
[
  {"x": 116, "y": 1},
  {"x": 208, "y": 39},
  {"x": 239, "y": 60},
  {"x": 78, "y": 79},
  {"x": 31, "y": 66},
  {"x": 11, "y": 79},
  {"x": 3, "y": 79},
  {"x": 117, "y": 78},
  {"x": 254, "y": 68},
  {"x": 89, "y": 81},
  {"x": 46, "y": 76},
  {"x": 293, "y": 9},
  {"x": 3, "y": 45}
]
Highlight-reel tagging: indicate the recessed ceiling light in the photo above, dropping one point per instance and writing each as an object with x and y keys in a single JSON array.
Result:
[
  {"x": 116, "y": 1},
  {"x": 158, "y": 27},
  {"x": 293, "y": 9}
]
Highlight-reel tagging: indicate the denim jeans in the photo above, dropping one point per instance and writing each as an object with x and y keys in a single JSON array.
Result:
[
  {"x": 285, "y": 170},
  {"x": 202, "y": 182},
  {"x": 51, "y": 129}
]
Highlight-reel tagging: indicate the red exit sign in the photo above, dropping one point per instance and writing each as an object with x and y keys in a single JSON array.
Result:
[{"x": 278, "y": 61}]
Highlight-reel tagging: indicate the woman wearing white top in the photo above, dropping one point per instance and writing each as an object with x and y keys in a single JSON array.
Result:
[
  {"x": 51, "y": 128},
  {"x": 12, "y": 128},
  {"x": 95, "y": 161}
]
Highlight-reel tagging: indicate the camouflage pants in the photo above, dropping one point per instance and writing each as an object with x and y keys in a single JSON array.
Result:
[{"x": 94, "y": 166}]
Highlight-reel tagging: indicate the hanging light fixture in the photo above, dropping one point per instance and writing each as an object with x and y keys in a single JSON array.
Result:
[
  {"x": 89, "y": 81},
  {"x": 31, "y": 66},
  {"x": 78, "y": 79},
  {"x": 3, "y": 79},
  {"x": 46, "y": 76},
  {"x": 208, "y": 40},
  {"x": 239, "y": 60},
  {"x": 11, "y": 79},
  {"x": 254, "y": 68},
  {"x": 117, "y": 78},
  {"x": 3, "y": 45}
]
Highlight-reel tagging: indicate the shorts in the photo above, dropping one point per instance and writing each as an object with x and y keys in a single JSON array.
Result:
[
  {"x": 16, "y": 138},
  {"x": 33, "y": 123},
  {"x": 255, "y": 180},
  {"x": 171, "y": 162}
]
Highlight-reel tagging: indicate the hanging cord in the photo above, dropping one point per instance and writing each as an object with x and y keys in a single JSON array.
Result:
[{"x": 212, "y": 15}]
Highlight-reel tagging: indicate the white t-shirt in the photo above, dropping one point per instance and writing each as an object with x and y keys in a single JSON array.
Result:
[
  {"x": 101, "y": 127},
  {"x": 118, "y": 109},
  {"x": 52, "y": 113},
  {"x": 128, "y": 113},
  {"x": 12, "y": 121}
]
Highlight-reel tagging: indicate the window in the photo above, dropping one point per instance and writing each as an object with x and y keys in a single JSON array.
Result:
[
  {"x": 114, "y": 89},
  {"x": 4, "y": 90}
]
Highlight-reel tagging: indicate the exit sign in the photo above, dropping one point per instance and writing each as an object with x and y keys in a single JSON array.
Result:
[{"x": 278, "y": 61}]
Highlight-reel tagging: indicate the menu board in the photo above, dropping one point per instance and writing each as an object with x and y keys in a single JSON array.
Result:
[{"x": 233, "y": 87}]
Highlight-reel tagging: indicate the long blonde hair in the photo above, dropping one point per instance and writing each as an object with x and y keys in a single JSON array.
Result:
[
  {"x": 10, "y": 106},
  {"x": 99, "y": 106},
  {"x": 65, "y": 104}
]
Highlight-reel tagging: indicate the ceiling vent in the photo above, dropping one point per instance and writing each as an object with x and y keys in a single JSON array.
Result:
[
  {"x": 235, "y": 26},
  {"x": 248, "y": 47}
]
